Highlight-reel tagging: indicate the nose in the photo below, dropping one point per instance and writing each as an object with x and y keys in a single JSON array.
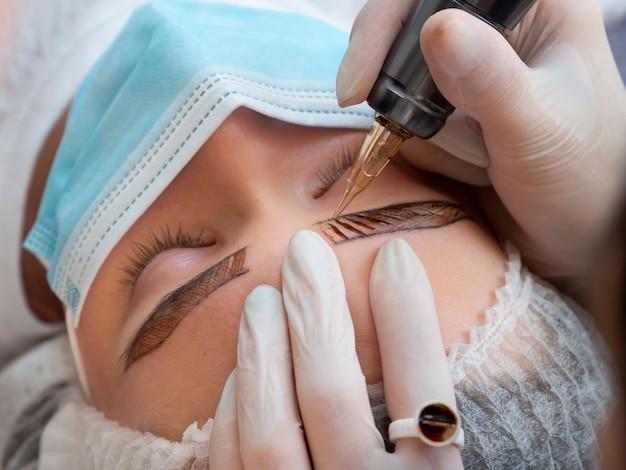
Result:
[{"x": 270, "y": 216}]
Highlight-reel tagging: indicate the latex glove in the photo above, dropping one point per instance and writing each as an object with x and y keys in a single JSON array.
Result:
[
  {"x": 551, "y": 126},
  {"x": 258, "y": 423}
]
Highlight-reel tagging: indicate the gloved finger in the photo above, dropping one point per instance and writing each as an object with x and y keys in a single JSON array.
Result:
[
  {"x": 373, "y": 32},
  {"x": 442, "y": 159},
  {"x": 477, "y": 70},
  {"x": 270, "y": 431},
  {"x": 415, "y": 367},
  {"x": 435, "y": 160},
  {"x": 330, "y": 384},
  {"x": 564, "y": 26},
  {"x": 224, "y": 442},
  {"x": 462, "y": 137}
]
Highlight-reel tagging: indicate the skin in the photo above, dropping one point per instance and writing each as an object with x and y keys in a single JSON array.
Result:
[{"x": 252, "y": 185}]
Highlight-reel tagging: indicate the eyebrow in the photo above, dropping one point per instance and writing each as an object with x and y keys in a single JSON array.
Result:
[
  {"x": 389, "y": 219},
  {"x": 174, "y": 306}
]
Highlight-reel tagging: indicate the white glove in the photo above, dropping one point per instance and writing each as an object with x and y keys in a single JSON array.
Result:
[
  {"x": 258, "y": 422},
  {"x": 551, "y": 132}
]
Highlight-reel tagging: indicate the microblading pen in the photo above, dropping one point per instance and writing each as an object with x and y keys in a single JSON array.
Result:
[{"x": 405, "y": 97}]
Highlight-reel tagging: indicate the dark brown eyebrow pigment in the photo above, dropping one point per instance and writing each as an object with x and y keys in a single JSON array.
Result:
[
  {"x": 174, "y": 306},
  {"x": 396, "y": 218}
]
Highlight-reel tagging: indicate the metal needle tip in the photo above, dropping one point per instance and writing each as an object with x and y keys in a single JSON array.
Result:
[{"x": 346, "y": 199}]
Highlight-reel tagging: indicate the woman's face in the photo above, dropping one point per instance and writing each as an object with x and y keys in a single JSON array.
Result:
[{"x": 159, "y": 328}]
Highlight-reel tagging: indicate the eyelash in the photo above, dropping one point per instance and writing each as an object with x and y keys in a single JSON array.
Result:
[
  {"x": 144, "y": 252},
  {"x": 335, "y": 169}
]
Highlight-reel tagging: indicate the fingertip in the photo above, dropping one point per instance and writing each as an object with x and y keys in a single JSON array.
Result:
[
  {"x": 307, "y": 254},
  {"x": 452, "y": 42},
  {"x": 347, "y": 80},
  {"x": 310, "y": 271},
  {"x": 373, "y": 32},
  {"x": 437, "y": 26},
  {"x": 263, "y": 312},
  {"x": 474, "y": 66},
  {"x": 303, "y": 239},
  {"x": 357, "y": 73},
  {"x": 397, "y": 262},
  {"x": 399, "y": 286},
  {"x": 263, "y": 297}
]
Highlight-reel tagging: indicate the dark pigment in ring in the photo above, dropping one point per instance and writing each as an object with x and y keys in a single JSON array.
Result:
[{"x": 437, "y": 423}]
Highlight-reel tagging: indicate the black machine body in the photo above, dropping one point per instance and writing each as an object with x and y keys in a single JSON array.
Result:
[{"x": 405, "y": 92}]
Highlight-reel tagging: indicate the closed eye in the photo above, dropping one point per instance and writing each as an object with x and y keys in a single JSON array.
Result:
[
  {"x": 144, "y": 252},
  {"x": 328, "y": 175}
]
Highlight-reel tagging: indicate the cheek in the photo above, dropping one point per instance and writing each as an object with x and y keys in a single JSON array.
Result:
[
  {"x": 97, "y": 335},
  {"x": 180, "y": 382}
]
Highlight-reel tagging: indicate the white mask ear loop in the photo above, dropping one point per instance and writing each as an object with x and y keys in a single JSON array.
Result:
[{"x": 78, "y": 362}]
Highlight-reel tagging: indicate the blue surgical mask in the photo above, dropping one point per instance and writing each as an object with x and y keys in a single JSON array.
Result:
[{"x": 175, "y": 72}]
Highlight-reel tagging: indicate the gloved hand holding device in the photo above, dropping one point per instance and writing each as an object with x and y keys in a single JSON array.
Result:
[
  {"x": 258, "y": 423},
  {"x": 541, "y": 118}
]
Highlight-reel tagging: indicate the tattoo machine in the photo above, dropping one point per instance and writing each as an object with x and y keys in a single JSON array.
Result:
[{"x": 405, "y": 97}]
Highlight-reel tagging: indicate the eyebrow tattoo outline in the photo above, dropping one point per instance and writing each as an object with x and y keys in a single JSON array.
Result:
[
  {"x": 174, "y": 306},
  {"x": 389, "y": 219}
]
